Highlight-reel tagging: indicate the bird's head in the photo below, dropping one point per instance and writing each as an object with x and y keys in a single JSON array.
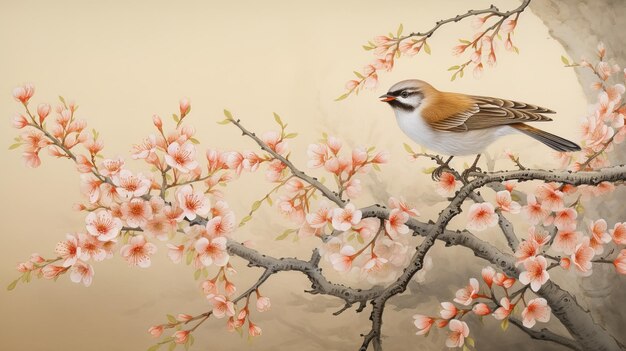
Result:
[{"x": 407, "y": 95}]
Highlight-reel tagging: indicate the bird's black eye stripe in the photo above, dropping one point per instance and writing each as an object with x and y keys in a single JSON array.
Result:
[{"x": 403, "y": 93}]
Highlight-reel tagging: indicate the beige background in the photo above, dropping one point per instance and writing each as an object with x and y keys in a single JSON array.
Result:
[{"x": 122, "y": 62}]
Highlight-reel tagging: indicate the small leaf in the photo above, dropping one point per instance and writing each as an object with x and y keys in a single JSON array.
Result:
[
  {"x": 291, "y": 135},
  {"x": 62, "y": 99},
  {"x": 565, "y": 60},
  {"x": 154, "y": 347},
  {"x": 228, "y": 114},
  {"x": 463, "y": 41},
  {"x": 461, "y": 74},
  {"x": 196, "y": 274},
  {"x": 171, "y": 318},
  {"x": 256, "y": 205},
  {"x": 191, "y": 339},
  {"x": 277, "y": 119},
  {"x": 408, "y": 149},
  {"x": 359, "y": 75},
  {"x": 505, "y": 324},
  {"x": 175, "y": 117},
  {"x": 426, "y": 48},
  {"x": 172, "y": 346},
  {"x": 194, "y": 140},
  {"x": 376, "y": 167},
  {"x": 367, "y": 48},
  {"x": 470, "y": 341},
  {"x": 454, "y": 68},
  {"x": 13, "y": 284},
  {"x": 516, "y": 49},
  {"x": 284, "y": 235},
  {"x": 226, "y": 121},
  {"x": 189, "y": 257},
  {"x": 453, "y": 77},
  {"x": 342, "y": 97},
  {"x": 400, "y": 29},
  {"x": 270, "y": 201},
  {"x": 465, "y": 348},
  {"x": 15, "y": 146},
  {"x": 429, "y": 170}
]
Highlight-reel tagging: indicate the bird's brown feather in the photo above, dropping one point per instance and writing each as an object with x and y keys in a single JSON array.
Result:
[{"x": 459, "y": 113}]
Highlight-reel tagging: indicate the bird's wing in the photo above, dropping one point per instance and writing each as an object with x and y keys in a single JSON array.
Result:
[{"x": 488, "y": 112}]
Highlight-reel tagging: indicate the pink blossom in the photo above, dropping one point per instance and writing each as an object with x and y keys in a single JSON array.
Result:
[
  {"x": 212, "y": 251},
  {"x": 263, "y": 303},
  {"x": 103, "y": 225},
  {"x": 620, "y": 262},
  {"x": 565, "y": 218},
  {"x": 175, "y": 252},
  {"x": 82, "y": 272},
  {"x": 91, "y": 247},
  {"x": 138, "y": 251},
  {"x": 381, "y": 157},
  {"x": 396, "y": 223},
  {"x": 533, "y": 210},
  {"x": 538, "y": 236},
  {"x": 480, "y": 309},
  {"x": 136, "y": 212},
  {"x": 274, "y": 140},
  {"x": 318, "y": 155},
  {"x": 526, "y": 250},
  {"x": 503, "y": 199},
  {"x": 184, "y": 105},
  {"x": 110, "y": 167},
  {"x": 422, "y": 323},
  {"x": 552, "y": 199},
  {"x": 504, "y": 310},
  {"x": 504, "y": 281},
  {"x": 275, "y": 170},
  {"x": 158, "y": 227},
  {"x": 24, "y": 93},
  {"x": 488, "y": 274},
  {"x": 509, "y": 25},
  {"x": 222, "y": 306},
  {"x": 449, "y": 310},
  {"x": 598, "y": 231},
  {"x": 403, "y": 206},
  {"x": 129, "y": 185},
  {"x": 221, "y": 225},
  {"x": 458, "y": 332},
  {"x": 322, "y": 217},
  {"x": 19, "y": 121},
  {"x": 367, "y": 228},
  {"x": 582, "y": 256},
  {"x": 466, "y": 295},
  {"x": 353, "y": 188},
  {"x": 565, "y": 263},
  {"x": 180, "y": 337},
  {"x": 42, "y": 111},
  {"x": 144, "y": 150},
  {"x": 69, "y": 250},
  {"x": 209, "y": 288},
  {"x": 52, "y": 272},
  {"x": 294, "y": 186},
  {"x": 342, "y": 261},
  {"x": 619, "y": 233},
  {"x": 481, "y": 216},
  {"x": 536, "y": 309},
  {"x": 536, "y": 274},
  {"x": 181, "y": 157},
  {"x": 253, "y": 329},
  {"x": 31, "y": 159},
  {"x": 192, "y": 203},
  {"x": 156, "y": 331},
  {"x": 345, "y": 218}
]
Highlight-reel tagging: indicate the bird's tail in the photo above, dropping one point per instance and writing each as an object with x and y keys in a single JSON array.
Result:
[{"x": 554, "y": 142}]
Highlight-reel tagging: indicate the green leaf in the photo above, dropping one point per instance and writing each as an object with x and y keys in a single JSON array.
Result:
[
  {"x": 226, "y": 121},
  {"x": 367, "y": 48},
  {"x": 359, "y": 75},
  {"x": 191, "y": 339},
  {"x": 516, "y": 49},
  {"x": 376, "y": 167},
  {"x": 284, "y": 235},
  {"x": 463, "y": 41},
  {"x": 465, "y": 348},
  {"x": 189, "y": 257},
  {"x": 277, "y": 119},
  {"x": 565, "y": 60},
  {"x": 13, "y": 284},
  {"x": 342, "y": 97},
  {"x": 429, "y": 170},
  {"x": 270, "y": 201},
  {"x": 291, "y": 135},
  {"x": 454, "y": 68},
  {"x": 171, "y": 346},
  {"x": 400, "y": 29},
  {"x": 15, "y": 146},
  {"x": 228, "y": 114},
  {"x": 505, "y": 324},
  {"x": 154, "y": 347},
  {"x": 408, "y": 149},
  {"x": 256, "y": 205},
  {"x": 470, "y": 341},
  {"x": 62, "y": 99},
  {"x": 196, "y": 274},
  {"x": 426, "y": 48},
  {"x": 244, "y": 220},
  {"x": 171, "y": 318},
  {"x": 461, "y": 74},
  {"x": 175, "y": 117},
  {"x": 194, "y": 140},
  {"x": 453, "y": 77}
]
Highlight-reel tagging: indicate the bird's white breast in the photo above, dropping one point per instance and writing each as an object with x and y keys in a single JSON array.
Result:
[{"x": 449, "y": 143}]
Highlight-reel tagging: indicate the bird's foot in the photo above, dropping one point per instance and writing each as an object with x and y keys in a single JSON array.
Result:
[
  {"x": 436, "y": 175},
  {"x": 472, "y": 169}
]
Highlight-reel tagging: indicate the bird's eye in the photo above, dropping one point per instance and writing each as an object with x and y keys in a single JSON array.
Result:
[{"x": 405, "y": 94}]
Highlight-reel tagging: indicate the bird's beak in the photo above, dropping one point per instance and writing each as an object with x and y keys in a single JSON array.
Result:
[{"x": 386, "y": 98}]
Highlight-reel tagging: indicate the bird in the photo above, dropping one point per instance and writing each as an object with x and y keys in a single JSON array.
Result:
[{"x": 457, "y": 124}]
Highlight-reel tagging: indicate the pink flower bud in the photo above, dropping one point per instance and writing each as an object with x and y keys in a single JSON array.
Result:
[
  {"x": 180, "y": 337},
  {"x": 43, "y": 110},
  {"x": 184, "y": 106},
  {"x": 157, "y": 122},
  {"x": 23, "y": 93},
  {"x": 20, "y": 121},
  {"x": 156, "y": 331},
  {"x": 184, "y": 317}
]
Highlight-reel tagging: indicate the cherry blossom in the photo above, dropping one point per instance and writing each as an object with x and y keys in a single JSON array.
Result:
[
  {"x": 192, "y": 203},
  {"x": 504, "y": 310},
  {"x": 396, "y": 223},
  {"x": 110, "y": 167},
  {"x": 353, "y": 188},
  {"x": 263, "y": 303},
  {"x": 448, "y": 184},
  {"x": 620, "y": 262},
  {"x": 481, "y": 216},
  {"x": 466, "y": 295},
  {"x": 180, "y": 337},
  {"x": 539, "y": 236},
  {"x": 582, "y": 256},
  {"x": 103, "y": 225},
  {"x": 253, "y": 329},
  {"x": 345, "y": 218},
  {"x": 481, "y": 309},
  {"x": 565, "y": 218},
  {"x": 138, "y": 251},
  {"x": 136, "y": 212},
  {"x": 599, "y": 234},
  {"x": 618, "y": 233},
  {"x": 222, "y": 306},
  {"x": 322, "y": 217},
  {"x": 502, "y": 280},
  {"x": 69, "y": 250},
  {"x": 274, "y": 140},
  {"x": 144, "y": 150},
  {"x": 52, "y": 271},
  {"x": 526, "y": 250},
  {"x": 212, "y": 251},
  {"x": 536, "y": 310},
  {"x": 565, "y": 241},
  {"x": 533, "y": 210},
  {"x": 342, "y": 261},
  {"x": 82, "y": 272},
  {"x": 422, "y": 323},
  {"x": 535, "y": 274},
  {"x": 24, "y": 93},
  {"x": 156, "y": 331},
  {"x": 129, "y": 185},
  {"x": 488, "y": 273},
  {"x": 458, "y": 332},
  {"x": 318, "y": 155},
  {"x": 449, "y": 310},
  {"x": 181, "y": 157},
  {"x": 503, "y": 199},
  {"x": 400, "y": 204}
]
